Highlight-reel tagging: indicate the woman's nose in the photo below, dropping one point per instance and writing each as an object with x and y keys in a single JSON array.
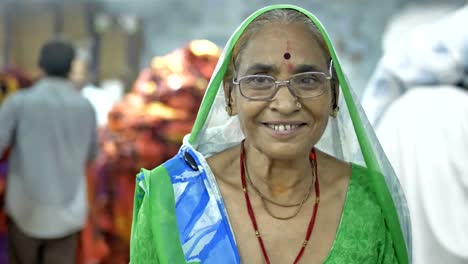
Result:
[{"x": 284, "y": 101}]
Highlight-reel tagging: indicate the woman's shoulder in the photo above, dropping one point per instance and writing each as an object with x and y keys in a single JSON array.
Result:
[
  {"x": 186, "y": 164},
  {"x": 348, "y": 179},
  {"x": 362, "y": 178},
  {"x": 361, "y": 186},
  {"x": 361, "y": 175},
  {"x": 225, "y": 163},
  {"x": 363, "y": 211},
  {"x": 362, "y": 232}
]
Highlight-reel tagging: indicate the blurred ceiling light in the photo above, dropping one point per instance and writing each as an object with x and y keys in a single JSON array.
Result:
[
  {"x": 204, "y": 47},
  {"x": 102, "y": 22},
  {"x": 128, "y": 23}
]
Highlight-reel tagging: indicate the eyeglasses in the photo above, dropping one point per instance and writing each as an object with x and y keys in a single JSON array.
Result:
[{"x": 265, "y": 87}]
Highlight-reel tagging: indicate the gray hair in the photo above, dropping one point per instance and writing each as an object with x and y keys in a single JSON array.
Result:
[{"x": 282, "y": 16}]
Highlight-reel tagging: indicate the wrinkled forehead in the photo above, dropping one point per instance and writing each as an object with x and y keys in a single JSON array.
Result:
[{"x": 274, "y": 43}]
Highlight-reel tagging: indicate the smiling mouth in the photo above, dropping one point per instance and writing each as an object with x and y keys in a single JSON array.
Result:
[{"x": 284, "y": 127}]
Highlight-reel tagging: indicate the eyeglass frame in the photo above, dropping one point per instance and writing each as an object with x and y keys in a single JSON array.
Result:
[{"x": 286, "y": 83}]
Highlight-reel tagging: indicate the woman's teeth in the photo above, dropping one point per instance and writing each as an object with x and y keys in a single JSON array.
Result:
[{"x": 283, "y": 127}]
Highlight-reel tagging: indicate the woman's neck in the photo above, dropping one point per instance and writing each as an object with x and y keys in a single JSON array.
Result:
[{"x": 278, "y": 178}]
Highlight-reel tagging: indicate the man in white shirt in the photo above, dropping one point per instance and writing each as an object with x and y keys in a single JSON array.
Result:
[{"x": 51, "y": 129}]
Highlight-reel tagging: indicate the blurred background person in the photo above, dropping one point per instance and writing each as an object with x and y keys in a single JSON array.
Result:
[
  {"x": 52, "y": 132},
  {"x": 423, "y": 129},
  {"x": 417, "y": 51}
]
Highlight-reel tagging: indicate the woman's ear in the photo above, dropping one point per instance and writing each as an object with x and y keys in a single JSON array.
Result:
[
  {"x": 230, "y": 96},
  {"x": 229, "y": 90}
]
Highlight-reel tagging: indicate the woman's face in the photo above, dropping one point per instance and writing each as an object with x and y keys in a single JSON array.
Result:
[{"x": 279, "y": 128}]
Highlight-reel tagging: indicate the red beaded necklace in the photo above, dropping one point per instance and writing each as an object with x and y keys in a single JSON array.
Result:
[{"x": 313, "y": 158}]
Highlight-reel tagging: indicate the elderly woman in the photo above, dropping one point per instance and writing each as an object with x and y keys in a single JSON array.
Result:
[{"x": 275, "y": 177}]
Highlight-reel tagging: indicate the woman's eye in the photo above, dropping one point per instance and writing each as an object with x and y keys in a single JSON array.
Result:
[
  {"x": 260, "y": 80},
  {"x": 308, "y": 80}
]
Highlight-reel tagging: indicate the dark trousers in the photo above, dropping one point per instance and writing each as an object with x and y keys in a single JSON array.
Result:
[{"x": 23, "y": 249}]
